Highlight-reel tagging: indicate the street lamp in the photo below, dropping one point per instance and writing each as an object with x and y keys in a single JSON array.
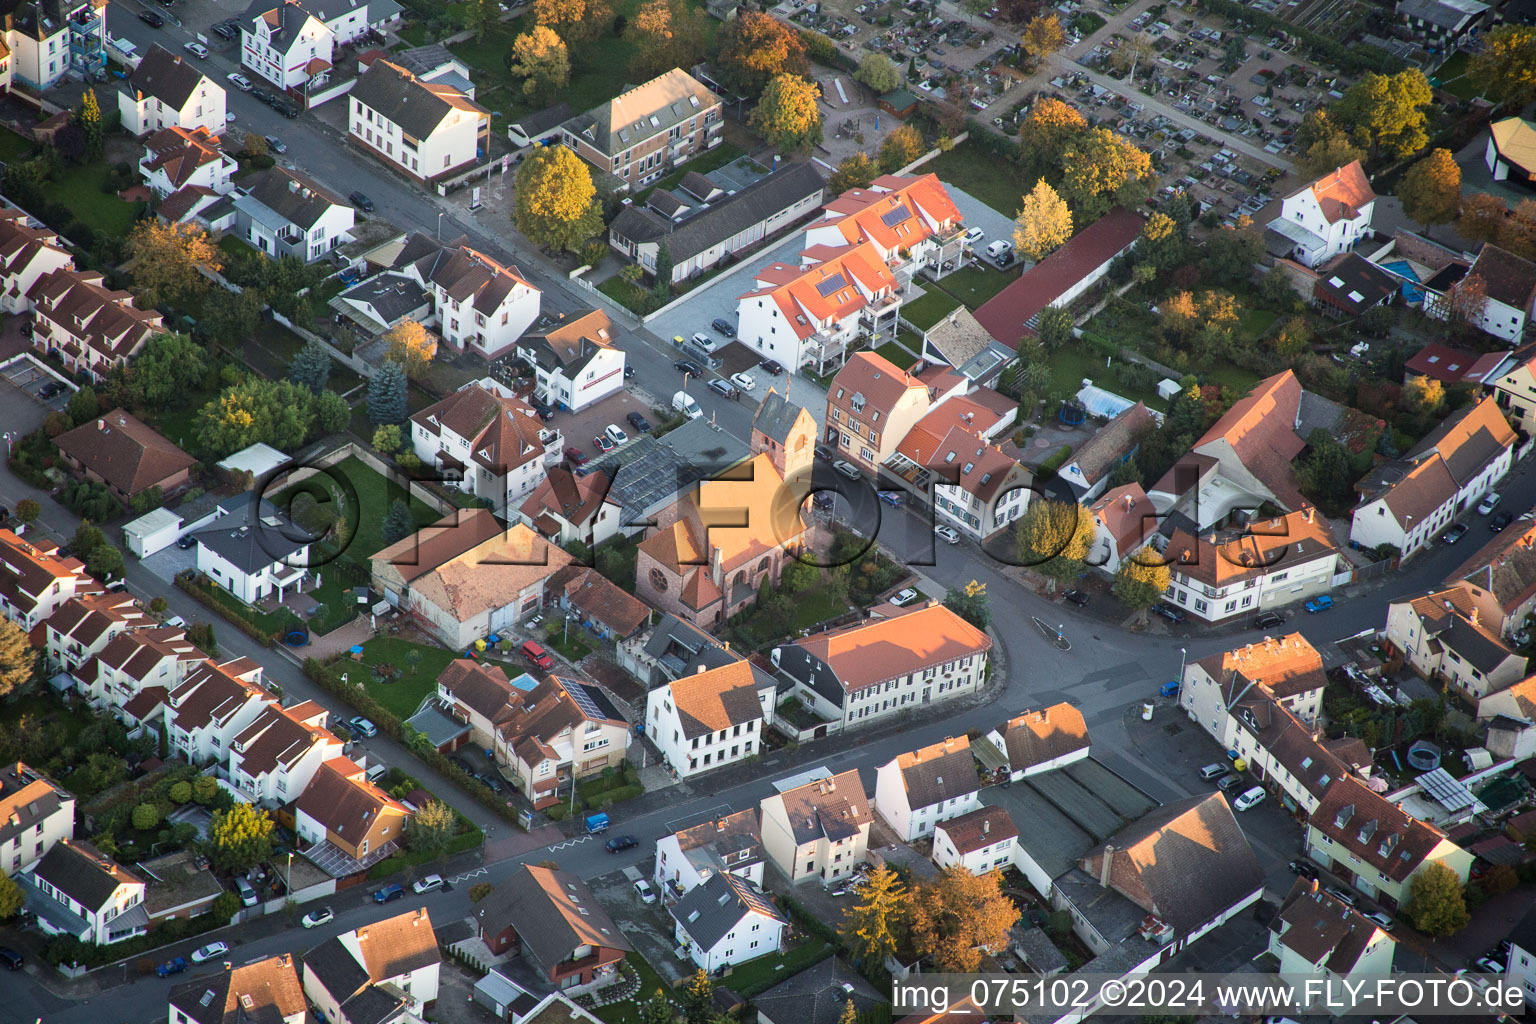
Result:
[
  {"x": 289, "y": 880},
  {"x": 440, "y": 224},
  {"x": 1183, "y": 653}
]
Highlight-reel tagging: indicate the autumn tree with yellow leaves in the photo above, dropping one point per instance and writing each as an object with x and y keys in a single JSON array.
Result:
[
  {"x": 556, "y": 203},
  {"x": 413, "y": 346},
  {"x": 163, "y": 260}
]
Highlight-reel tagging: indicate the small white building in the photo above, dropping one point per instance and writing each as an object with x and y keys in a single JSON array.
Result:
[
  {"x": 575, "y": 361},
  {"x": 495, "y": 445},
  {"x": 427, "y": 130},
  {"x": 710, "y": 719},
  {"x": 168, "y": 90},
  {"x": 1274, "y": 562},
  {"x": 35, "y": 813},
  {"x": 252, "y": 549},
  {"x": 281, "y": 212},
  {"x": 917, "y": 790},
  {"x": 1042, "y": 741},
  {"x": 980, "y": 841},
  {"x": 1317, "y": 933},
  {"x": 819, "y": 829},
  {"x": 727, "y": 920},
  {"x": 480, "y": 305},
  {"x": 287, "y": 46},
  {"x": 80, "y": 891},
  {"x": 1287, "y": 668},
  {"x": 1327, "y": 217},
  {"x": 1509, "y": 283},
  {"x": 31, "y": 252},
  {"x": 687, "y": 858}
]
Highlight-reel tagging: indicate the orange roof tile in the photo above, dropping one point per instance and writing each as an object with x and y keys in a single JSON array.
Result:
[{"x": 874, "y": 651}]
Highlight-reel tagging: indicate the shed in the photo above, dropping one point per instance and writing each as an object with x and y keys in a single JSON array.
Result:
[
  {"x": 154, "y": 531},
  {"x": 898, "y": 103},
  {"x": 504, "y": 997}
]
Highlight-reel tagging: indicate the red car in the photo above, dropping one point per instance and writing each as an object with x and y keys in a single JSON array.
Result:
[
  {"x": 576, "y": 456},
  {"x": 602, "y": 444},
  {"x": 536, "y": 653}
]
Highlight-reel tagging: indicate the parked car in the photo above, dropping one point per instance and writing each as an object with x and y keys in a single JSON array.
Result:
[
  {"x": 645, "y": 892},
  {"x": 1489, "y": 503},
  {"x": 431, "y": 883},
  {"x": 536, "y": 653},
  {"x": 490, "y": 782},
  {"x": 1227, "y": 782},
  {"x": 705, "y": 342},
  {"x": 724, "y": 389},
  {"x": 743, "y": 381},
  {"x": 186, "y": 541},
  {"x": 948, "y": 534},
  {"x": 847, "y": 469},
  {"x": 175, "y": 965},
  {"x": 1077, "y": 597},
  {"x": 12, "y": 959},
  {"x": 290, "y": 111},
  {"x": 974, "y": 235},
  {"x": 904, "y": 597},
  {"x": 724, "y": 327},
  {"x": 1250, "y": 799},
  {"x": 771, "y": 367},
  {"x": 689, "y": 367},
  {"x": 1304, "y": 869},
  {"x": 891, "y": 498},
  {"x": 616, "y": 435},
  {"x": 1455, "y": 533},
  {"x": 639, "y": 422},
  {"x": 151, "y": 19},
  {"x": 575, "y": 456},
  {"x": 276, "y": 144},
  {"x": 50, "y": 389},
  {"x": 1168, "y": 611},
  {"x": 1488, "y": 965},
  {"x": 1320, "y": 603},
  {"x": 618, "y": 843},
  {"x": 362, "y": 727},
  {"x": 224, "y": 30},
  {"x": 262, "y": 96},
  {"x": 316, "y": 918},
  {"x": 361, "y": 201},
  {"x": 213, "y": 949},
  {"x": 1498, "y": 522},
  {"x": 239, "y": 81},
  {"x": 389, "y": 894},
  {"x": 1344, "y": 896},
  {"x": 196, "y": 49},
  {"x": 602, "y": 444},
  {"x": 1380, "y": 919},
  {"x": 1214, "y": 771}
]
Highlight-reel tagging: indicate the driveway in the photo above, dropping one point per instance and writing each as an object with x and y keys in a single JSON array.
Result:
[{"x": 977, "y": 214}]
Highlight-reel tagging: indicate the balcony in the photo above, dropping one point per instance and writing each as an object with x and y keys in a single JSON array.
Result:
[{"x": 554, "y": 446}]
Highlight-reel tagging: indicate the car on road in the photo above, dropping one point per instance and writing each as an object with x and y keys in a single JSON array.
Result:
[
  {"x": 231, "y": 117},
  {"x": 1168, "y": 611},
  {"x": 891, "y": 498},
  {"x": 743, "y": 381},
  {"x": 771, "y": 367},
  {"x": 948, "y": 534},
  {"x": 1267, "y": 620},
  {"x": 1455, "y": 533},
  {"x": 175, "y": 965},
  {"x": 431, "y": 883},
  {"x": 689, "y": 367},
  {"x": 151, "y": 19},
  {"x": 639, "y": 422},
  {"x": 12, "y": 959},
  {"x": 724, "y": 327},
  {"x": 1250, "y": 799},
  {"x": 389, "y": 894},
  {"x": 724, "y": 389},
  {"x": 276, "y": 144},
  {"x": 616, "y": 435},
  {"x": 645, "y": 892},
  {"x": 290, "y": 111},
  {"x": 1489, "y": 503},
  {"x": 1077, "y": 597},
  {"x": 1380, "y": 920},
  {"x": 1304, "y": 869},
  {"x": 1344, "y": 896},
  {"x": 316, "y": 918},
  {"x": 575, "y": 456},
  {"x": 210, "y": 951},
  {"x": 239, "y": 81},
  {"x": 1488, "y": 965},
  {"x": 362, "y": 727},
  {"x": 904, "y": 597},
  {"x": 262, "y": 96},
  {"x": 618, "y": 843},
  {"x": 1498, "y": 522},
  {"x": 361, "y": 201},
  {"x": 847, "y": 469},
  {"x": 196, "y": 49},
  {"x": 602, "y": 444},
  {"x": 1320, "y": 603}
]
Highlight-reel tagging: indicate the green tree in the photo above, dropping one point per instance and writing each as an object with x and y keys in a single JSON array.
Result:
[
  {"x": 83, "y": 406},
  {"x": 667, "y": 34},
  {"x": 900, "y": 148},
  {"x": 432, "y": 827},
  {"x": 539, "y": 58},
  {"x": 855, "y": 171},
  {"x": 387, "y": 394},
  {"x": 27, "y": 511},
  {"x": 88, "y": 117},
  {"x": 311, "y": 366},
  {"x": 1435, "y": 901},
  {"x": 397, "y": 522},
  {"x": 1324, "y": 473},
  {"x": 755, "y": 48},
  {"x": 240, "y": 837},
  {"x": 87, "y": 538},
  {"x": 233, "y": 318},
  {"x": 663, "y": 286},
  {"x": 1043, "y": 35},
  {"x": 697, "y": 994},
  {"x": 106, "y": 561},
  {"x": 657, "y": 1009},
  {"x": 1424, "y": 394},
  {"x": 1056, "y": 327},
  {"x": 480, "y": 15},
  {"x": 1234, "y": 50},
  {"x": 278, "y": 413},
  {"x": 788, "y": 116},
  {"x": 1390, "y": 110},
  {"x": 1505, "y": 66},
  {"x": 204, "y": 789},
  {"x": 170, "y": 367},
  {"x": 1162, "y": 243},
  {"x": 556, "y": 203},
  {"x": 332, "y": 413},
  {"x": 1046, "y": 132},
  {"x": 1043, "y": 224},
  {"x": 971, "y": 603},
  {"x": 873, "y": 926},
  {"x": 1140, "y": 585},
  {"x": 18, "y": 658},
  {"x": 1431, "y": 190},
  {"x": 146, "y": 817},
  {"x": 12, "y": 899},
  {"x": 164, "y": 261},
  {"x": 1231, "y": 251},
  {"x": 225, "y": 906},
  {"x": 958, "y": 915},
  {"x": 878, "y": 72},
  {"x": 1102, "y": 169},
  {"x": 1053, "y": 539},
  {"x": 181, "y": 792},
  {"x": 479, "y": 891},
  {"x": 387, "y": 439}
]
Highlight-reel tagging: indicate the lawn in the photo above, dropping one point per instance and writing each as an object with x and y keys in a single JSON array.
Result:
[
  {"x": 81, "y": 190},
  {"x": 897, "y": 355},
  {"x": 757, "y": 976},
  {"x": 627, "y": 294},
  {"x": 374, "y": 494},
  {"x": 568, "y": 643},
  {"x": 627, "y": 1011},
  {"x": 418, "y": 665},
  {"x": 180, "y": 423},
  {"x": 974, "y": 285},
  {"x": 991, "y": 179},
  {"x": 933, "y": 306},
  {"x": 1452, "y": 77},
  {"x": 814, "y": 607},
  {"x": 13, "y": 146},
  {"x": 1071, "y": 364}
]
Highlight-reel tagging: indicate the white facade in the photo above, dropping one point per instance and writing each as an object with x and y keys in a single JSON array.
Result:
[
  {"x": 293, "y": 769},
  {"x": 216, "y": 175},
  {"x": 600, "y": 376},
  {"x": 1282, "y": 583},
  {"x": 205, "y": 108},
  {"x": 978, "y": 861},
  {"x": 1318, "y": 236},
  {"x": 215, "y": 716},
  {"x": 454, "y": 142},
  {"x": 252, "y": 586},
  {"x": 1521, "y": 969},
  {"x": 1502, "y": 320},
  {"x": 285, "y": 61},
  {"x": 102, "y": 924},
  {"x": 17, "y": 277},
  {"x": 23, "y": 837},
  {"x": 41, "y": 59},
  {"x": 1374, "y": 524},
  {"x": 715, "y": 749},
  {"x": 753, "y": 936},
  {"x": 901, "y": 693},
  {"x": 893, "y": 803},
  {"x": 674, "y": 870}
]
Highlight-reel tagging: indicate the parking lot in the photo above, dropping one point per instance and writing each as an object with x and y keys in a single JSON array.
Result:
[
  {"x": 581, "y": 429},
  {"x": 44, "y": 392}
]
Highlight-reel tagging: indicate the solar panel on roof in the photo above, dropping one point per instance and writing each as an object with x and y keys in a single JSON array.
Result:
[
  {"x": 831, "y": 284},
  {"x": 895, "y": 216},
  {"x": 1447, "y": 791},
  {"x": 584, "y": 701}
]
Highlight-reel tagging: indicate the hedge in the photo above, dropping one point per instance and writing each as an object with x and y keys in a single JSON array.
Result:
[
  {"x": 205, "y": 596},
  {"x": 410, "y": 858},
  {"x": 162, "y": 934}
]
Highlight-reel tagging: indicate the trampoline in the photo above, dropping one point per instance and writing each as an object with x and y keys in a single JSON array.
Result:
[
  {"x": 296, "y": 638},
  {"x": 1424, "y": 756},
  {"x": 1071, "y": 414}
]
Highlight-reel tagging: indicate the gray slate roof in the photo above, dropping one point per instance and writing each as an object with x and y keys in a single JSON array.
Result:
[
  {"x": 712, "y": 909},
  {"x": 816, "y": 995},
  {"x": 292, "y": 197},
  {"x": 78, "y": 871},
  {"x": 269, "y": 535},
  {"x": 725, "y": 218},
  {"x": 941, "y": 778},
  {"x": 401, "y": 99},
  {"x": 391, "y": 295},
  {"x": 165, "y": 76},
  {"x": 776, "y": 416},
  {"x": 291, "y": 18},
  {"x": 541, "y": 121},
  {"x": 336, "y": 968}
]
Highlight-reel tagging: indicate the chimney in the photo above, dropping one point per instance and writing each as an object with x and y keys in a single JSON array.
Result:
[
  {"x": 101, "y": 424},
  {"x": 986, "y": 826},
  {"x": 1109, "y": 853},
  {"x": 701, "y": 670}
]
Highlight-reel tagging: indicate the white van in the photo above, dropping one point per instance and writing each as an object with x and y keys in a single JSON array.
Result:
[
  {"x": 684, "y": 403},
  {"x": 1249, "y": 800},
  {"x": 247, "y": 892},
  {"x": 998, "y": 248}
]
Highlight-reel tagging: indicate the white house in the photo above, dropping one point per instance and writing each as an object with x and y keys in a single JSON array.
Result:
[
  {"x": 267, "y": 990},
  {"x": 27, "y": 252},
  {"x": 212, "y": 706},
  {"x": 80, "y": 891},
  {"x": 818, "y": 829},
  {"x": 911, "y": 220},
  {"x": 93, "y": 328},
  {"x": 287, "y": 45},
  {"x": 35, "y": 813},
  {"x": 495, "y": 444},
  {"x": 375, "y": 970},
  {"x": 1328, "y": 216},
  {"x": 1443, "y": 638},
  {"x": 168, "y": 90},
  {"x": 710, "y": 719},
  {"x": 177, "y": 158},
  {"x": 1509, "y": 283},
  {"x": 427, "y": 130},
  {"x": 1124, "y": 520},
  {"x": 1521, "y": 968},
  {"x": 349, "y": 20},
  {"x": 38, "y": 579},
  {"x": 1287, "y": 668},
  {"x": 252, "y": 549},
  {"x": 1408, "y": 501},
  {"x": 273, "y": 760},
  {"x": 45, "y": 41},
  {"x": 285, "y": 213},
  {"x": 917, "y": 790},
  {"x": 84, "y": 625},
  {"x": 687, "y": 858},
  {"x": 981, "y": 840},
  {"x": 481, "y": 306},
  {"x": 156, "y": 660},
  {"x": 1273, "y": 562},
  {"x": 728, "y": 920},
  {"x": 1317, "y": 933},
  {"x": 575, "y": 361},
  {"x": 1041, "y": 741}
]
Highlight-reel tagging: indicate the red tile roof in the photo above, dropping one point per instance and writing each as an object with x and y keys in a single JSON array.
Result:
[
  {"x": 1343, "y": 193},
  {"x": 125, "y": 452}
]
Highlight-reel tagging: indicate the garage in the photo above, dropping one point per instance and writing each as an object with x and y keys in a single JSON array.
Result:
[{"x": 154, "y": 531}]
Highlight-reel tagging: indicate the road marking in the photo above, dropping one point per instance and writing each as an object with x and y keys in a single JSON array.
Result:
[
  {"x": 468, "y": 875},
  {"x": 568, "y": 842}
]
